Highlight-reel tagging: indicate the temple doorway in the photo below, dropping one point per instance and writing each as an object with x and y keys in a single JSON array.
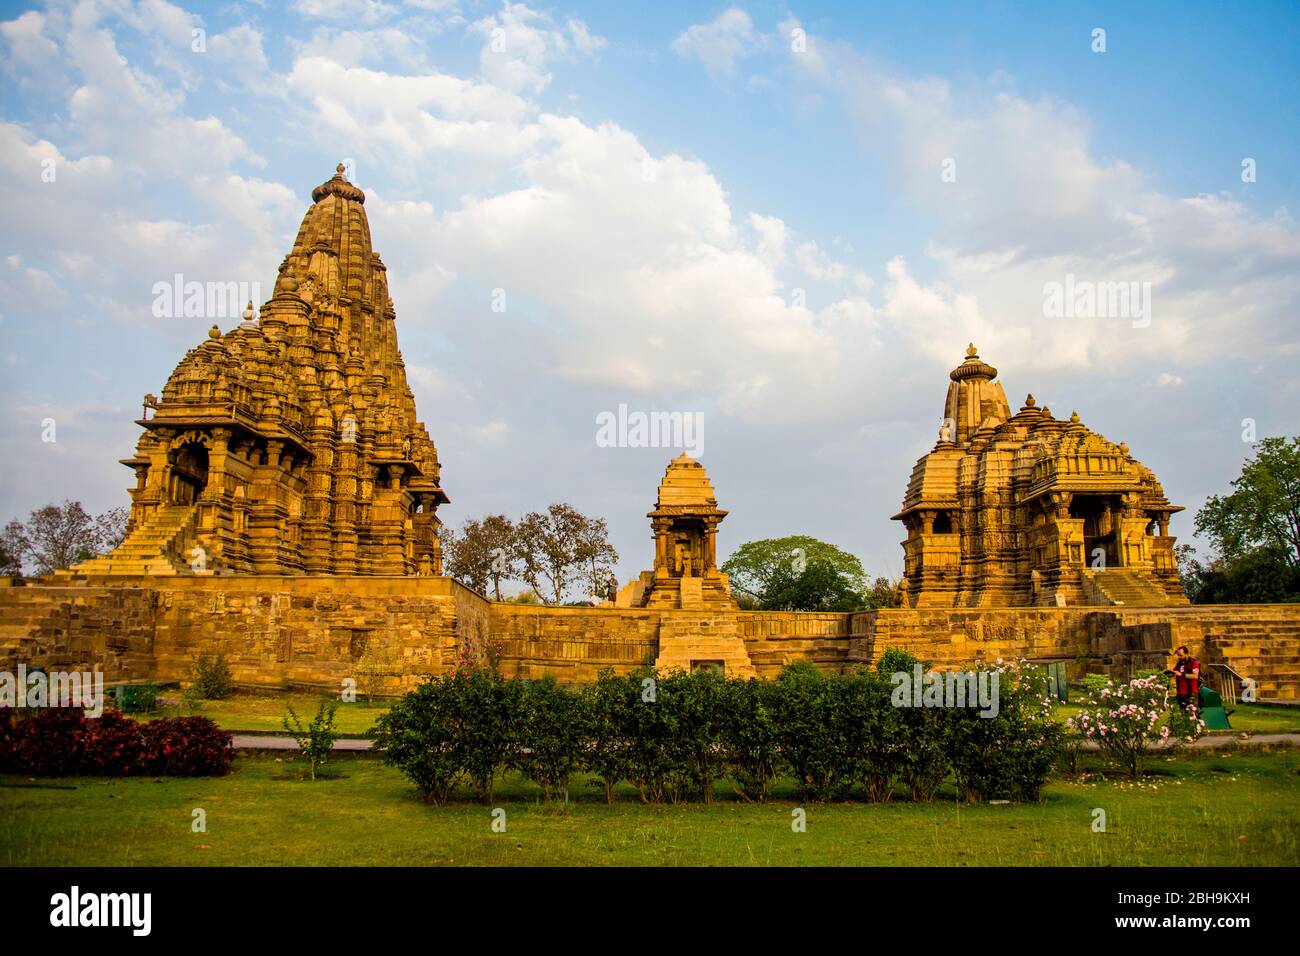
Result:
[
  {"x": 1100, "y": 545},
  {"x": 189, "y": 473}
]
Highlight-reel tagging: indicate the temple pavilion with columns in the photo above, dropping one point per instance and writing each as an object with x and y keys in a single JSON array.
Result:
[{"x": 1027, "y": 509}]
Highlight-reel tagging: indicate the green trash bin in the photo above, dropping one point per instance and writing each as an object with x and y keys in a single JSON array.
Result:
[{"x": 1212, "y": 712}]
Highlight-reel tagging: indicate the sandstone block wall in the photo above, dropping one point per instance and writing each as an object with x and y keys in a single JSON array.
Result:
[{"x": 78, "y": 628}]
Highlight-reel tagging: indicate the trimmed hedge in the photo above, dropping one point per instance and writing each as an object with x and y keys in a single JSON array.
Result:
[
  {"x": 64, "y": 742},
  {"x": 674, "y": 736}
]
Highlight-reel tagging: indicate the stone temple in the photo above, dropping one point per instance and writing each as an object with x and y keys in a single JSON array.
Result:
[
  {"x": 1027, "y": 509},
  {"x": 290, "y": 445},
  {"x": 284, "y": 515},
  {"x": 685, "y": 522}
]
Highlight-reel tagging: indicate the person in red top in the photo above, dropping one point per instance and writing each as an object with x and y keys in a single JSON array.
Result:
[{"x": 1187, "y": 677}]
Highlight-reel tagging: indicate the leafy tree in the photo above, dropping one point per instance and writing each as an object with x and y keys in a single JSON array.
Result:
[
  {"x": 549, "y": 547},
  {"x": 1261, "y": 576},
  {"x": 1263, "y": 510},
  {"x": 756, "y": 566},
  {"x": 58, "y": 536},
  {"x": 597, "y": 555},
  {"x": 820, "y": 586},
  {"x": 483, "y": 554},
  {"x": 13, "y": 547},
  {"x": 884, "y": 593}
]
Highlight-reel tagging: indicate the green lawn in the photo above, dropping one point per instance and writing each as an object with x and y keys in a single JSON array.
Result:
[
  {"x": 1229, "y": 809},
  {"x": 247, "y": 711}
]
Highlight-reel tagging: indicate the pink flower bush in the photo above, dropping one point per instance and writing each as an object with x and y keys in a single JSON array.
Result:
[{"x": 1126, "y": 719}]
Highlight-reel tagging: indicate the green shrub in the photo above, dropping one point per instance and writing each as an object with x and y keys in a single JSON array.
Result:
[
  {"x": 137, "y": 698},
  {"x": 749, "y": 739},
  {"x": 881, "y": 755},
  {"x": 1008, "y": 756},
  {"x": 420, "y": 736},
  {"x": 606, "y": 749},
  {"x": 694, "y": 703},
  {"x": 894, "y": 661},
  {"x": 317, "y": 738},
  {"x": 212, "y": 675},
  {"x": 486, "y": 726},
  {"x": 653, "y": 764},
  {"x": 815, "y": 717},
  {"x": 552, "y": 727}
]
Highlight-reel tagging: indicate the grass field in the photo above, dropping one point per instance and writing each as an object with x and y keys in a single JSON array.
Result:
[
  {"x": 263, "y": 712},
  {"x": 1229, "y": 809}
]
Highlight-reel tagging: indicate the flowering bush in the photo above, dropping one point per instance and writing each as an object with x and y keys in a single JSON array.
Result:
[{"x": 1126, "y": 719}]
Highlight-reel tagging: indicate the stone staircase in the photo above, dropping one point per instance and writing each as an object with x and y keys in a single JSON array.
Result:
[
  {"x": 685, "y": 637},
  {"x": 157, "y": 547},
  {"x": 1122, "y": 586},
  {"x": 1262, "y": 643}
]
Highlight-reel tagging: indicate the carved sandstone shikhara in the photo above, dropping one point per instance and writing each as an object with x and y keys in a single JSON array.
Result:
[{"x": 290, "y": 444}]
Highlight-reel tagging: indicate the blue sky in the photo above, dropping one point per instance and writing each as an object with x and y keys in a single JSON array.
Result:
[{"x": 796, "y": 269}]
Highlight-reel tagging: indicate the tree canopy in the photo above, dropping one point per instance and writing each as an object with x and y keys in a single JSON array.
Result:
[
  {"x": 553, "y": 551},
  {"x": 1255, "y": 531},
  {"x": 58, "y": 536},
  {"x": 1263, "y": 510},
  {"x": 797, "y": 573}
]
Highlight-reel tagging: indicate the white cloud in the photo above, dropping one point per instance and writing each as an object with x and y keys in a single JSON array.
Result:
[
  {"x": 358, "y": 11},
  {"x": 520, "y": 43},
  {"x": 719, "y": 43}
]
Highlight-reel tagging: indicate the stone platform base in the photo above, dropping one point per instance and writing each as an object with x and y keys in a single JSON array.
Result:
[{"x": 317, "y": 630}]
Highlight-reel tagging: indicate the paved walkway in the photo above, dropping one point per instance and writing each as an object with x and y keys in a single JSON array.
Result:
[
  {"x": 1208, "y": 742},
  {"x": 272, "y": 742}
]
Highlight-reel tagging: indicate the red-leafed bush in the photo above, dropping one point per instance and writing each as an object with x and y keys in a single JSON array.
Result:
[
  {"x": 6, "y": 739},
  {"x": 61, "y": 742},
  {"x": 49, "y": 743},
  {"x": 113, "y": 746},
  {"x": 186, "y": 747}
]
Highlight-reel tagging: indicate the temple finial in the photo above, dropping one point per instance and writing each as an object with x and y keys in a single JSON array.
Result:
[{"x": 971, "y": 351}]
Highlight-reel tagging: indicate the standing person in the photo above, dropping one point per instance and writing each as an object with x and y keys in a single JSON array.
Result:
[{"x": 1187, "y": 677}]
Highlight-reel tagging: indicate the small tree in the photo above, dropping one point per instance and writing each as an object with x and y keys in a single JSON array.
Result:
[
  {"x": 317, "y": 739},
  {"x": 212, "y": 676}
]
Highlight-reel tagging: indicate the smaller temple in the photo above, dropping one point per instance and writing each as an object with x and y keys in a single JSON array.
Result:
[
  {"x": 1027, "y": 509},
  {"x": 685, "y": 522}
]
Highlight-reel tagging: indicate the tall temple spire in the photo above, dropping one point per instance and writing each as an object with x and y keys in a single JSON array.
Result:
[{"x": 291, "y": 443}]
